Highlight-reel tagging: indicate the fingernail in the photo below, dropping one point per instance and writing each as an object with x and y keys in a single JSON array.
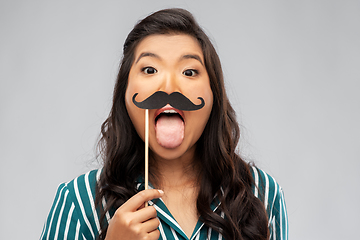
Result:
[{"x": 161, "y": 191}]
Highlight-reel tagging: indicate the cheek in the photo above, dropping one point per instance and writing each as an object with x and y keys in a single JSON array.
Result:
[
  {"x": 203, "y": 90},
  {"x": 208, "y": 109},
  {"x": 207, "y": 95},
  {"x": 200, "y": 118},
  {"x": 136, "y": 115}
]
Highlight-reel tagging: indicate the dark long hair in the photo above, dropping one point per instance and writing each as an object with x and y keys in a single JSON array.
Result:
[{"x": 223, "y": 172}]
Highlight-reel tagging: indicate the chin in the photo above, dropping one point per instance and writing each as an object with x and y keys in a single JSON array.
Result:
[{"x": 173, "y": 153}]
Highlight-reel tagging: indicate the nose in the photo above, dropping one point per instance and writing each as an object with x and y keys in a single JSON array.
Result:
[{"x": 170, "y": 83}]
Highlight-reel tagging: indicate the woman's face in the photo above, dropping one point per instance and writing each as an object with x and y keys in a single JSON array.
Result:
[{"x": 169, "y": 63}]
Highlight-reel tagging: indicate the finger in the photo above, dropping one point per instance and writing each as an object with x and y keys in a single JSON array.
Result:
[
  {"x": 145, "y": 214},
  {"x": 142, "y": 206},
  {"x": 154, "y": 235},
  {"x": 138, "y": 199},
  {"x": 151, "y": 225}
]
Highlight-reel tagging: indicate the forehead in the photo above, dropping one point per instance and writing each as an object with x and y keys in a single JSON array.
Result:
[{"x": 171, "y": 45}]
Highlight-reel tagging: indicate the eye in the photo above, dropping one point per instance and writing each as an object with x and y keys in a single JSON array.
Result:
[
  {"x": 190, "y": 72},
  {"x": 149, "y": 70}
]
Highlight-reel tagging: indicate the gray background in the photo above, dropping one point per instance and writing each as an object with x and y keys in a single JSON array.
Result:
[{"x": 292, "y": 73}]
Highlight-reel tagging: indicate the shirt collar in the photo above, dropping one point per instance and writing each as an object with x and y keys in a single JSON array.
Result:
[{"x": 164, "y": 214}]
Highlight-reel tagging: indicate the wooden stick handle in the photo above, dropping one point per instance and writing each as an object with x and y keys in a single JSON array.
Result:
[{"x": 146, "y": 151}]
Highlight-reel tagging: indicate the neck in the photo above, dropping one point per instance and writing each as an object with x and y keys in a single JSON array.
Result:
[{"x": 176, "y": 173}]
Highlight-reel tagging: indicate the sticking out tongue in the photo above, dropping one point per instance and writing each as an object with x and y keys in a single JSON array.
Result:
[{"x": 169, "y": 130}]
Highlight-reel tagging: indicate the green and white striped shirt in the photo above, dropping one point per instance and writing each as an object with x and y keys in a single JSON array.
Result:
[{"x": 73, "y": 214}]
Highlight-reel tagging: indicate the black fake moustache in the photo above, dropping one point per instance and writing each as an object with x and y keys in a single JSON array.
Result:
[{"x": 160, "y": 99}]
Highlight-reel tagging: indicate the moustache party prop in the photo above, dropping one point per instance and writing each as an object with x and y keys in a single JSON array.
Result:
[{"x": 160, "y": 99}]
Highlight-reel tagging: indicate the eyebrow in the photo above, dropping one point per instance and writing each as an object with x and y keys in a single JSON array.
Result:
[
  {"x": 193, "y": 56},
  {"x": 147, "y": 54},
  {"x": 186, "y": 56}
]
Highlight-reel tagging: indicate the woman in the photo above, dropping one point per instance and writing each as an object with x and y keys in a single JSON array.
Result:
[{"x": 207, "y": 190}]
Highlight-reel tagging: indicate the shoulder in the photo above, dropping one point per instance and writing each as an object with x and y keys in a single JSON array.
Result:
[
  {"x": 265, "y": 188},
  {"x": 73, "y": 212},
  {"x": 271, "y": 194},
  {"x": 83, "y": 187},
  {"x": 83, "y": 192}
]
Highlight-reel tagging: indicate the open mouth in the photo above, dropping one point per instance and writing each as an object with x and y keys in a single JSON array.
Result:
[
  {"x": 168, "y": 111},
  {"x": 169, "y": 127}
]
